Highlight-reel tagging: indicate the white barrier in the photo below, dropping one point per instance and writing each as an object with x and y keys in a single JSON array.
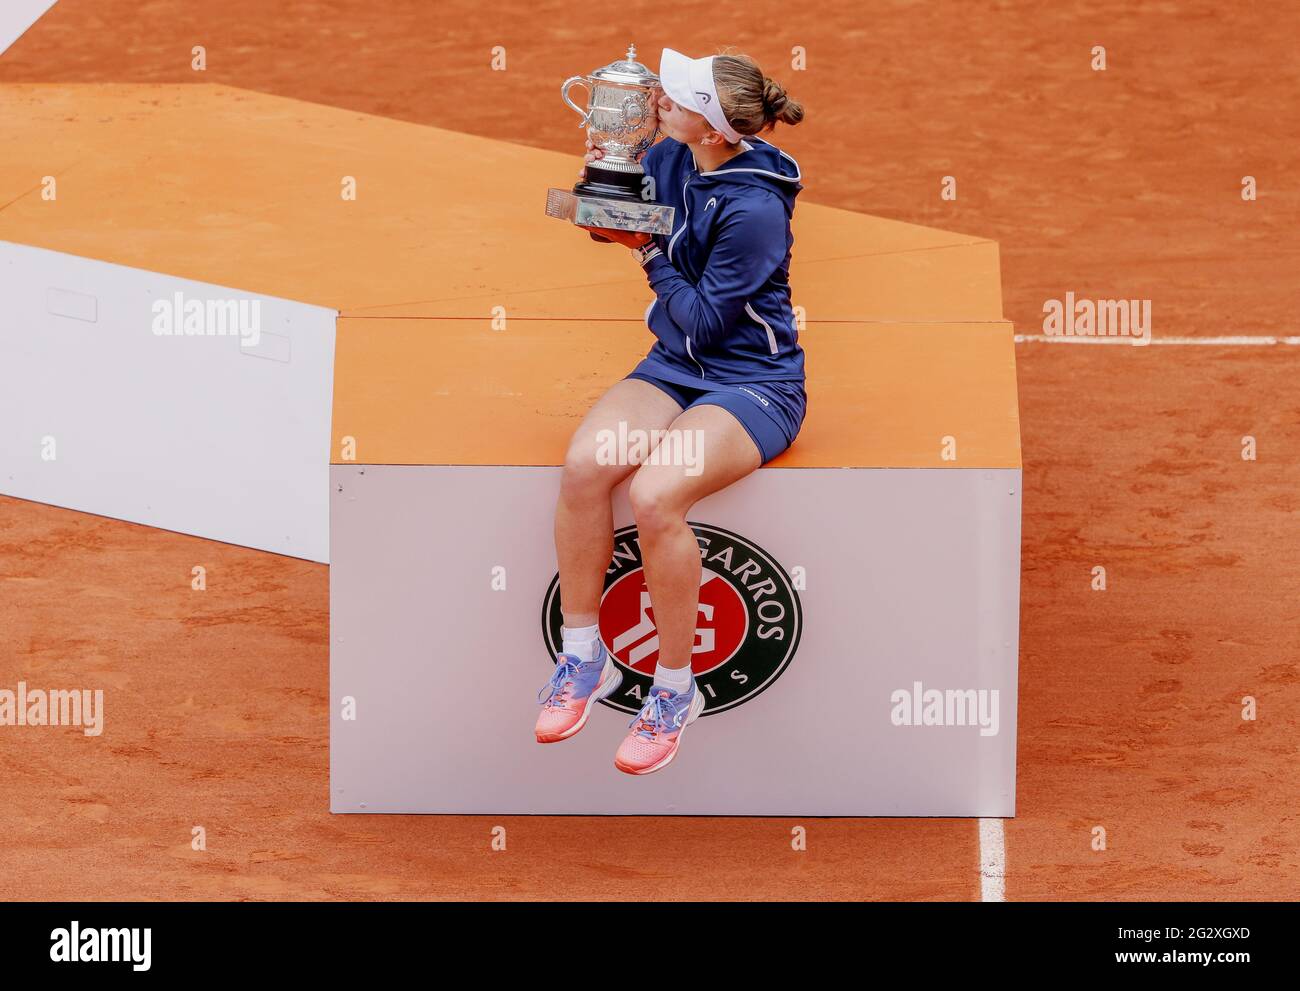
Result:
[
  {"x": 194, "y": 433},
  {"x": 16, "y": 16}
]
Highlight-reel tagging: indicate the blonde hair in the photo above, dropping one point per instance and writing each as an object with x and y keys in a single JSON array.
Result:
[{"x": 752, "y": 101}]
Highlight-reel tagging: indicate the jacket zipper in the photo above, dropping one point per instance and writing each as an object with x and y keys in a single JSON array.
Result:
[
  {"x": 685, "y": 223},
  {"x": 692, "y": 357}
]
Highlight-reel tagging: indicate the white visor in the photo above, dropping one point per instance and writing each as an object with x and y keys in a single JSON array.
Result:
[{"x": 689, "y": 83}]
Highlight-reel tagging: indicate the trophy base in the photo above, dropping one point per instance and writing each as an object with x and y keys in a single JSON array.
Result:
[
  {"x": 613, "y": 212},
  {"x": 611, "y": 182}
]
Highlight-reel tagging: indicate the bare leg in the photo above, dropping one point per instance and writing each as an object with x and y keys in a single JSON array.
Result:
[
  {"x": 661, "y": 496},
  {"x": 584, "y": 517}
]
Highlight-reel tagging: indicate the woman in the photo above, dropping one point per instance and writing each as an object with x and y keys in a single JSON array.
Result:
[{"x": 727, "y": 369}]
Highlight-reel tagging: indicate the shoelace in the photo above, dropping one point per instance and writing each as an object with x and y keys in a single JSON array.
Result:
[
  {"x": 565, "y": 671},
  {"x": 656, "y": 713}
]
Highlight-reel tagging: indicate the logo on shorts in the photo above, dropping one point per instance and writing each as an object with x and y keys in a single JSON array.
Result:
[{"x": 747, "y": 628}]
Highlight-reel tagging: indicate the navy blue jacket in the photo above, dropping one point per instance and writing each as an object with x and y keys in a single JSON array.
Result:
[{"x": 722, "y": 311}]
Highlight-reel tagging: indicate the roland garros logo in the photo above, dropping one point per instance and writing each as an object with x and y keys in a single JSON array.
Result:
[{"x": 747, "y": 628}]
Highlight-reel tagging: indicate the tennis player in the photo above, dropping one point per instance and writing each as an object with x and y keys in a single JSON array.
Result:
[{"x": 726, "y": 368}]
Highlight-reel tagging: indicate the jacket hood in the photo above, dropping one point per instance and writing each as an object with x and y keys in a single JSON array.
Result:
[{"x": 763, "y": 165}]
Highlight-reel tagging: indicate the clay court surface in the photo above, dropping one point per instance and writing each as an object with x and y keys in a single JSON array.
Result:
[{"x": 1117, "y": 184}]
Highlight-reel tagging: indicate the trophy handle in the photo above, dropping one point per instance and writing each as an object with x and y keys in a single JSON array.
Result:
[{"x": 564, "y": 93}]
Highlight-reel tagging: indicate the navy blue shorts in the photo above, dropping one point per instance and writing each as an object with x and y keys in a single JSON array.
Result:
[{"x": 771, "y": 412}]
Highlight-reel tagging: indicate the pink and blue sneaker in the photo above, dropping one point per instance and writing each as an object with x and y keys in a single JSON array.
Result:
[
  {"x": 573, "y": 691},
  {"x": 657, "y": 729}
]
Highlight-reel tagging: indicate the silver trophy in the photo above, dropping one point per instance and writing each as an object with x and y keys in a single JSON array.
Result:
[{"x": 621, "y": 121}]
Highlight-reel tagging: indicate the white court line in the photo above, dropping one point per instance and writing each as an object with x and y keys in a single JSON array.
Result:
[
  {"x": 993, "y": 861},
  {"x": 1260, "y": 341}
]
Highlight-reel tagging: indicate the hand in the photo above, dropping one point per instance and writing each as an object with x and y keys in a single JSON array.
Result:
[
  {"x": 630, "y": 239},
  {"x": 595, "y": 154},
  {"x": 656, "y": 94}
]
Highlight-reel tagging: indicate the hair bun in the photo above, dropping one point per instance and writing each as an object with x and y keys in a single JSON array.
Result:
[{"x": 774, "y": 98}]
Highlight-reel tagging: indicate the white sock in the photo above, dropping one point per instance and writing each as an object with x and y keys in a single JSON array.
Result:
[
  {"x": 678, "y": 679},
  {"x": 580, "y": 642}
]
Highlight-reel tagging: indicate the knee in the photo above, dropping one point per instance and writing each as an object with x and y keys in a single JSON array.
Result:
[
  {"x": 584, "y": 475},
  {"x": 653, "y": 505}
]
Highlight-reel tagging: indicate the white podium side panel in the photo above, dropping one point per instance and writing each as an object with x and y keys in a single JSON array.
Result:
[
  {"x": 196, "y": 434},
  {"x": 911, "y": 577},
  {"x": 16, "y": 16}
]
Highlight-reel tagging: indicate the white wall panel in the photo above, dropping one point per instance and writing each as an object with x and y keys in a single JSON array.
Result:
[
  {"x": 912, "y": 575},
  {"x": 196, "y": 434},
  {"x": 16, "y": 16}
]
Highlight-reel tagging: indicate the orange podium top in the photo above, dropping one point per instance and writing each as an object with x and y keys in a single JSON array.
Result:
[
  {"x": 246, "y": 190},
  {"x": 904, "y": 338},
  {"x": 457, "y": 392}
]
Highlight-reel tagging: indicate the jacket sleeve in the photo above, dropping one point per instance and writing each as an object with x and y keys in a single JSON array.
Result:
[{"x": 750, "y": 244}]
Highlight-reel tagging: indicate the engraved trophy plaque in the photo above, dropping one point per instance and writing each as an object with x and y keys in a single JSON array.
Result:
[{"x": 621, "y": 121}]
